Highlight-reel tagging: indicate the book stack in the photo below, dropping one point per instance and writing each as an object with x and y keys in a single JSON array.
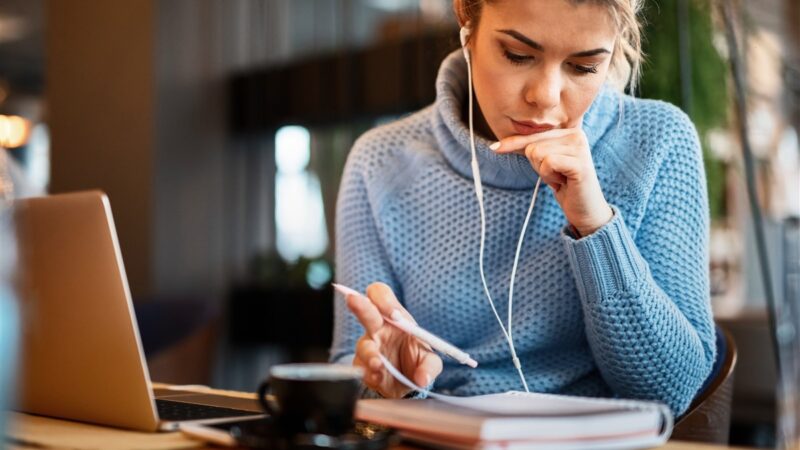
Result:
[{"x": 520, "y": 420}]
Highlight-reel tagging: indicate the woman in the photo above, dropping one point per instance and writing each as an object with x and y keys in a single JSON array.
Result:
[{"x": 611, "y": 292}]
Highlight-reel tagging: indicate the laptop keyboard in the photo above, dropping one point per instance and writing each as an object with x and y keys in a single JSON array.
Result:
[{"x": 180, "y": 411}]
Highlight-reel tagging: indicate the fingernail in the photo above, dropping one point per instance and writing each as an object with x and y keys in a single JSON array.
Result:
[
  {"x": 396, "y": 315},
  {"x": 495, "y": 146}
]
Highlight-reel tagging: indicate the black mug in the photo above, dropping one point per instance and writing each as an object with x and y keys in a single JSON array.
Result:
[{"x": 311, "y": 398}]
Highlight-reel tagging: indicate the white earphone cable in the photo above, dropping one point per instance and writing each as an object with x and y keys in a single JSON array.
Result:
[
  {"x": 479, "y": 194},
  {"x": 516, "y": 254}
]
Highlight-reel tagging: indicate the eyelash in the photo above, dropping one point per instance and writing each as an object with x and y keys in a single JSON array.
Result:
[
  {"x": 584, "y": 69},
  {"x": 515, "y": 58},
  {"x": 518, "y": 60}
]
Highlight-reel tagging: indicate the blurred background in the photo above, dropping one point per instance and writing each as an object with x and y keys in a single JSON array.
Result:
[{"x": 219, "y": 130}]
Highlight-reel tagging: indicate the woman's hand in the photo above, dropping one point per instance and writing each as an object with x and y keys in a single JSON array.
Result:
[
  {"x": 411, "y": 357},
  {"x": 562, "y": 159}
]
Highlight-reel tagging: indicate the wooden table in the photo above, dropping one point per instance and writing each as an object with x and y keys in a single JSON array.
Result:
[{"x": 34, "y": 432}]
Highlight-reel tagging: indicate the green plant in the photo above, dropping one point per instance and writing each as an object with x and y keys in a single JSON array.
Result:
[{"x": 661, "y": 78}]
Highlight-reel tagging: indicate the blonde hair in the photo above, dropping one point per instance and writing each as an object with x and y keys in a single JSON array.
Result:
[{"x": 627, "y": 57}]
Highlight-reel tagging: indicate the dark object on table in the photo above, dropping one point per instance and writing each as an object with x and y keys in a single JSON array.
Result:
[
  {"x": 312, "y": 398},
  {"x": 262, "y": 434}
]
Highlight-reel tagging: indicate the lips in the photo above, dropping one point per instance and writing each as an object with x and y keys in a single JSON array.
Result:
[{"x": 530, "y": 127}]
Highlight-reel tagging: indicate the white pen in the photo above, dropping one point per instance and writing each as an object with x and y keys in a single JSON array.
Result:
[{"x": 415, "y": 330}]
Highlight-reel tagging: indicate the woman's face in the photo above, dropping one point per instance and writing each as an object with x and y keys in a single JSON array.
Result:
[{"x": 538, "y": 64}]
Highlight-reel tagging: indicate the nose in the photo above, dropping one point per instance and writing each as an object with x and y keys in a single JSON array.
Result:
[{"x": 544, "y": 91}]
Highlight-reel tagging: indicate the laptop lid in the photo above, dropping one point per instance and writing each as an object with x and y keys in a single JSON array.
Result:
[{"x": 81, "y": 356}]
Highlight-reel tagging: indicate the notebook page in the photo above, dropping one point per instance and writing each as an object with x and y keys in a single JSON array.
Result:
[
  {"x": 536, "y": 404},
  {"x": 512, "y": 402}
]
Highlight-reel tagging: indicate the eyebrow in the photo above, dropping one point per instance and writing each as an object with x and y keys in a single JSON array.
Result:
[{"x": 537, "y": 46}]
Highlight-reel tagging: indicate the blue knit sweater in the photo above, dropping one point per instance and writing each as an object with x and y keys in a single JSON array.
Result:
[{"x": 623, "y": 312}]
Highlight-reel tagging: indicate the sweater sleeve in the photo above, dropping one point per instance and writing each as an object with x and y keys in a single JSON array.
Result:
[
  {"x": 646, "y": 300},
  {"x": 360, "y": 255}
]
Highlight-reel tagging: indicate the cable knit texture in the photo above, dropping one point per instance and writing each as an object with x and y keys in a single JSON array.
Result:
[{"x": 623, "y": 312}]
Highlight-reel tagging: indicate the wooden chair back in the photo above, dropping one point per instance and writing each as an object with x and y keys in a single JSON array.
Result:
[{"x": 708, "y": 418}]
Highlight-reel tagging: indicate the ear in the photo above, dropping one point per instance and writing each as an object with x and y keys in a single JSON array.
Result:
[{"x": 460, "y": 11}]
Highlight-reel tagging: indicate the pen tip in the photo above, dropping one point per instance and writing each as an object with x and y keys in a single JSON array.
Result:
[{"x": 344, "y": 290}]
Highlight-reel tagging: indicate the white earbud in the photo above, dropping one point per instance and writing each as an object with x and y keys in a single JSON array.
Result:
[{"x": 464, "y": 34}]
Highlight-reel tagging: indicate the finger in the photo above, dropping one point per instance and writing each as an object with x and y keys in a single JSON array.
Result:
[
  {"x": 518, "y": 142},
  {"x": 366, "y": 313},
  {"x": 368, "y": 351},
  {"x": 376, "y": 378},
  {"x": 537, "y": 151},
  {"x": 557, "y": 169},
  {"x": 544, "y": 166},
  {"x": 384, "y": 299},
  {"x": 562, "y": 144},
  {"x": 371, "y": 378},
  {"x": 428, "y": 369}
]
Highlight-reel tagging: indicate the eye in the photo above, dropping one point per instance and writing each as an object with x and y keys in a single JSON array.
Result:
[
  {"x": 515, "y": 58},
  {"x": 584, "y": 69}
]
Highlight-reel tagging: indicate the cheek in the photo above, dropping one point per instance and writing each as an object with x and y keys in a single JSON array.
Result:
[
  {"x": 577, "y": 99},
  {"x": 496, "y": 90}
]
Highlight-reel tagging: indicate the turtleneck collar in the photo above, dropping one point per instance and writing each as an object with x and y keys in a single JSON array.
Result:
[{"x": 501, "y": 171}]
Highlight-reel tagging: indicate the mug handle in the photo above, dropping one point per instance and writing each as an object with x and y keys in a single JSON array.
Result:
[{"x": 262, "y": 398}]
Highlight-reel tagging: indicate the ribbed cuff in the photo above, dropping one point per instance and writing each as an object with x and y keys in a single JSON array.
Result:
[{"x": 606, "y": 261}]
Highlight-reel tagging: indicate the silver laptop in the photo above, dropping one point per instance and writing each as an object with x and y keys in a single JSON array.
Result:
[{"x": 81, "y": 356}]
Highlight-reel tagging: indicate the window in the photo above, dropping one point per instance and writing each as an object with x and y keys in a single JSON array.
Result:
[{"x": 299, "y": 216}]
